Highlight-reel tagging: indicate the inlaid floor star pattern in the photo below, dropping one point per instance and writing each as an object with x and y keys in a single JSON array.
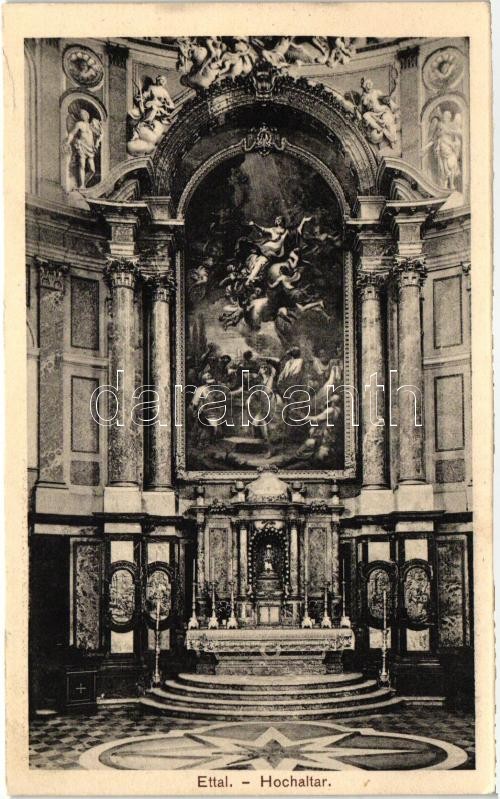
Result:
[
  {"x": 59, "y": 741},
  {"x": 286, "y": 746}
]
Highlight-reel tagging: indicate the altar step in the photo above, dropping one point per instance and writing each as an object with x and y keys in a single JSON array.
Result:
[{"x": 225, "y": 698}]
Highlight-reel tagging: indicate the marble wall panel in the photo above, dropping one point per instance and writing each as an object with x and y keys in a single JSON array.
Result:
[
  {"x": 317, "y": 559},
  {"x": 449, "y": 412},
  {"x": 452, "y": 471},
  {"x": 84, "y": 313},
  {"x": 447, "y": 311},
  {"x": 220, "y": 557},
  {"x": 84, "y": 473},
  {"x": 451, "y": 592},
  {"x": 84, "y": 430},
  {"x": 87, "y": 594}
]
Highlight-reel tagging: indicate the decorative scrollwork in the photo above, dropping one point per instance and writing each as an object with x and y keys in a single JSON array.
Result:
[{"x": 265, "y": 140}]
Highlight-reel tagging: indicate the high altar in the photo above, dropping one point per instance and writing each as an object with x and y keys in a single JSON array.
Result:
[{"x": 267, "y": 594}]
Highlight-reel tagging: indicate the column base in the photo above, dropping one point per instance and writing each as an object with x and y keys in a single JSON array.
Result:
[
  {"x": 414, "y": 497},
  {"x": 375, "y": 501},
  {"x": 159, "y": 502},
  {"x": 49, "y": 497},
  {"x": 122, "y": 499}
]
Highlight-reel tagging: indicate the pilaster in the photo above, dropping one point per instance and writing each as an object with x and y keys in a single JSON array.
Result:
[{"x": 52, "y": 286}]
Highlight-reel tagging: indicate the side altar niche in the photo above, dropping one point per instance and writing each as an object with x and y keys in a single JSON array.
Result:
[{"x": 268, "y": 594}]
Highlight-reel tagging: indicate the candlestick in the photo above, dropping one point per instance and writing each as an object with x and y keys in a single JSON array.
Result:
[
  {"x": 344, "y": 619},
  {"x": 193, "y": 622},
  {"x": 157, "y": 675},
  {"x": 306, "y": 621},
  {"x": 326, "y": 621},
  {"x": 384, "y": 676},
  {"x": 213, "y": 623},
  {"x": 233, "y": 622}
]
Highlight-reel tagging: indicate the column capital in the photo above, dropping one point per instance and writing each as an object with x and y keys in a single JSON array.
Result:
[
  {"x": 162, "y": 286},
  {"x": 121, "y": 273},
  {"x": 408, "y": 57},
  {"x": 409, "y": 272},
  {"x": 117, "y": 54},
  {"x": 52, "y": 274},
  {"x": 369, "y": 284}
]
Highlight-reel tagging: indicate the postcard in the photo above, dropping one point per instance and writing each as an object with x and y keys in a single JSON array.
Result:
[{"x": 248, "y": 355}]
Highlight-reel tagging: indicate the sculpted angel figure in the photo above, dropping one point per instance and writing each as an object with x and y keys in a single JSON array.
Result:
[
  {"x": 378, "y": 112},
  {"x": 445, "y": 140},
  {"x": 155, "y": 102},
  {"x": 150, "y": 115},
  {"x": 84, "y": 141}
]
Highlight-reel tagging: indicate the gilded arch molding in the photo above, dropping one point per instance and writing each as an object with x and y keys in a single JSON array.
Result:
[{"x": 317, "y": 103}]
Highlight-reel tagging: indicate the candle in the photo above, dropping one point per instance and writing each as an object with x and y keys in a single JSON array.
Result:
[
  {"x": 158, "y": 601},
  {"x": 384, "y": 595}
]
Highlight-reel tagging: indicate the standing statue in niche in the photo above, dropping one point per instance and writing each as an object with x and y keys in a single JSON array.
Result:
[
  {"x": 83, "y": 143},
  {"x": 445, "y": 144},
  {"x": 268, "y": 560},
  {"x": 150, "y": 116}
]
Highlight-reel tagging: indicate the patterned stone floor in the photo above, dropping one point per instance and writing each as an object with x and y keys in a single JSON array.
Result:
[{"x": 57, "y": 742}]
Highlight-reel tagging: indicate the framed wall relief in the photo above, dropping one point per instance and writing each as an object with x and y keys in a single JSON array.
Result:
[
  {"x": 264, "y": 317},
  {"x": 380, "y": 589},
  {"x": 158, "y": 595},
  {"x": 417, "y": 594},
  {"x": 122, "y": 596}
]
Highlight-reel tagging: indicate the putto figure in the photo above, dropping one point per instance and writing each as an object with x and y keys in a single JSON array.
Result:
[
  {"x": 83, "y": 142},
  {"x": 203, "y": 60}
]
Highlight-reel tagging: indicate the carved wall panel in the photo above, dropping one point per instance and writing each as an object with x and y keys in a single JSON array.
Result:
[{"x": 87, "y": 567}]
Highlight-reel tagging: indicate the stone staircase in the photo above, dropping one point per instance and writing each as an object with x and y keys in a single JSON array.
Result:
[{"x": 259, "y": 698}]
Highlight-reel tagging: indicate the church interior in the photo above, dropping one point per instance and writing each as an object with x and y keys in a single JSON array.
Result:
[{"x": 248, "y": 361}]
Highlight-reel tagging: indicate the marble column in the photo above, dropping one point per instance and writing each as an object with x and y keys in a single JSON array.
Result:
[
  {"x": 51, "y": 398},
  {"x": 372, "y": 375},
  {"x": 243, "y": 559},
  {"x": 294, "y": 559},
  {"x": 160, "y": 433},
  {"x": 409, "y": 274},
  {"x": 335, "y": 578},
  {"x": 121, "y": 274}
]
